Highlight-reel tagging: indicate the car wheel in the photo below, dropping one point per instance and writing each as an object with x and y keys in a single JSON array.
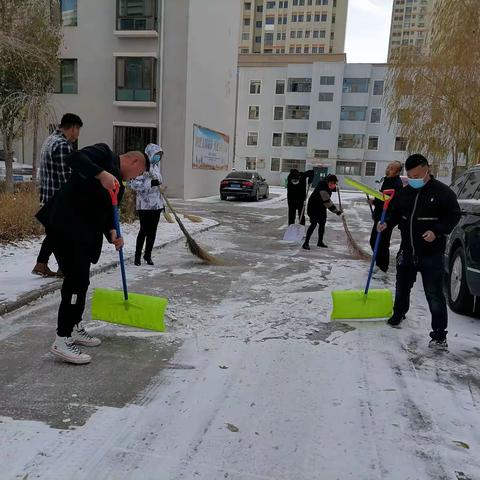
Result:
[
  {"x": 459, "y": 297},
  {"x": 223, "y": 197},
  {"x": 266, "y": 193}
]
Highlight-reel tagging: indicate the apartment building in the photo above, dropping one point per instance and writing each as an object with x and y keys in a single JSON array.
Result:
[
  {"x": 293, "y": 26},
  {"x": 313, "y": 111},
  {"x": 411, "y": 24},
  {"x": 140, "y": 71}
]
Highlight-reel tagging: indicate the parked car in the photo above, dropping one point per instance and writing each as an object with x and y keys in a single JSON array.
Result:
[
  {"x": 462, "y": 255},
  {"x": 244, "y": 184}
]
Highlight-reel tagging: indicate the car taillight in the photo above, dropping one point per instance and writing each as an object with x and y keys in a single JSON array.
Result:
[
  {"x": 223, "y": 183},
  {"x": 247, "y": 184}
]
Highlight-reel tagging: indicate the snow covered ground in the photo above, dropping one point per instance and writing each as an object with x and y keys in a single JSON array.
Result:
[
  {"x": 17, "y": 261},
  {"x": 251, "y": 381}
]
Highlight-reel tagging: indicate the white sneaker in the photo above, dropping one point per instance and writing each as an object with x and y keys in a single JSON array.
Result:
[
  {"x": 65, "y": 348},
  {"x": 82, "y": 337}
]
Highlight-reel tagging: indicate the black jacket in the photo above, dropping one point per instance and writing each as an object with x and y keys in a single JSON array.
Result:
[
  {"x": 81, "y": 211},
  {"x": 297, "y": 186},
  {"x": 433, "y": 207},
  {"x": 394, "y": 183},
  {"x": 319, "y": 201}
]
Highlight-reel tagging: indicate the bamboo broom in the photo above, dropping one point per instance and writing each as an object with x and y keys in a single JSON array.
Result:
[{"x": 193, "y": 246}]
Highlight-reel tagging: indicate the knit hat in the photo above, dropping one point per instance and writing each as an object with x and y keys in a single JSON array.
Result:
[{"x": 415, "y": 160}]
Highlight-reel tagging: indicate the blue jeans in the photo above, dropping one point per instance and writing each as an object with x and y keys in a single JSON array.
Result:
[{"x": 432, "y": 271}]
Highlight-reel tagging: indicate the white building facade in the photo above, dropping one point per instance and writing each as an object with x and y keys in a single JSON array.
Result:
[
  {"x": 140, "y": 71},
  {"x": 313, "y": 111}
]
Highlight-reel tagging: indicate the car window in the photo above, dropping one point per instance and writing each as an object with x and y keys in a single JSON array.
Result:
[
  {"x": 245, "y": 175},
  {"x": 458, "y": 184},
  {"x": 470, "y": 187}
]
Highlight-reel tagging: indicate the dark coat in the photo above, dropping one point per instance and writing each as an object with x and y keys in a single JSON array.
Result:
[
  {"x": 297, "y": 186},
  {"x": 394, "y": 183},
  {"x": 433, "y": 207},
  {"x": 81, "y": 211},
  {"x": 319, "y": 201}
]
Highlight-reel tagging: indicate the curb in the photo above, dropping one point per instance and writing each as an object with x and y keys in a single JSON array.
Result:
[{"x": 25, "y": 299}]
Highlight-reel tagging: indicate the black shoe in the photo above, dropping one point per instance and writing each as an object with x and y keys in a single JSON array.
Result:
[
  {"x": 148, "y": 260},
  {"x": 306, "y": 246},
  {"x": 322, "y": 245},
  {"x": 395, "y": 320},
  {"x": 440, "y": 345},
  {"x": 137, "y": 262}
]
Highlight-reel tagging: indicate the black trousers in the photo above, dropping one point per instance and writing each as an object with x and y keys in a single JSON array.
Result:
[
  {"x": 431, "y": 268},
  {"x": 46, "y": 250},
  {"x": 295, "y": 208},
  {"x": 148, "y": 231},
  {"x": 320, "y": 220},
  {"x": 74, "y": 261},
  {"x": 383, "y": 254}
]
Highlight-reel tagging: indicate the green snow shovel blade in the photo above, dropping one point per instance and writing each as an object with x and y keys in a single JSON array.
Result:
[
  {"x": 365, "y": 188},
  {"x": 365, "y": 304},
  {"x": 124, "y": 308},
  {"x": 355, "y": 305},
  {"x": 141, "y": 311}
]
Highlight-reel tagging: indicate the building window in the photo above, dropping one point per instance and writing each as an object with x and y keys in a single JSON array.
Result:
[
  {"x": 127, "y": 139},
  {"x": 307, "y": 33},
  {"x": 66, "y": 81},
  {"x": 375, "y": 115},
  {"x": 349, "y": 168},
  {"x": 247, "y": 6},
  {"x": 136, "y": 15},
  {"x": 324, "y": 80},
  {"x": 299, "y": 84},
  {"x": 350, "y": 140},
  {"x": 324, "y": 125},
  {"x": 259, "y": 8},
  {"x": 295, "y": 139},
  {"x": 270, "y": 5},
  {"x": 135, "y": 79},
  {"x": 324, "y": 17},
  {"x": 253, "y": 112},
  {"x": 274, "y": 164},
  {"x": 279, "y": 87},
  {"x": 252, "y": 139},
  {"x": 258, "y": 24},
  {"x": 315, "y": 34},
  {"x": 321, "y": 153},
  {"x": 268, "y": 39},
  {"x": 373, "y": 143},
  {"x": 270, "y": 21},
  {"x": 278, "y": 113},
  {"x": 322, "y": 33},
  {"x": 400, "y": 144},
  {"x": 246, "y": 22},
  {"x": 325, "y": 97},
  {"x": 378, "y": 87},
  {"x": 355, "y": 85},
  {"x": 299, "y": 33},
  {"x": 353, "y": 114},
  {"x": 370, "y": 169},
  {"x": 255, "y": 87},
  {"x": 250, "y": 163},
  {"x": 306, "y": 49},
  {"x": 293, "y": 34},
  {"x": 244, "y": 50},
  {"x": 258, "y": 39},
  {"x": 297, "y": 112},
  {"x": 289, "y": 163},
  {"x": 276, "y": 140},
  {"x": 68, "y": 10},
  {"x": 245, "y": 36}
]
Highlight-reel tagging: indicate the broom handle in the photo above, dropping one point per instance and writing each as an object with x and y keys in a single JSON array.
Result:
[
  {"x": 116, "y": 220},
  {"x": 305, "y": 202},
  {"x": 386, "y": 202}
]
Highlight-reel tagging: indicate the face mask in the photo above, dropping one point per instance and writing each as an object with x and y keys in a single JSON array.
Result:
[
  {"x": 156, "y": 158},
  {"x": 416, "y": 182},
  {"x": 295, "y": 182}
]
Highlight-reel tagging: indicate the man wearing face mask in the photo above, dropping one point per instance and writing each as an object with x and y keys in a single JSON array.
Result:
[
  {"x": 318, "y": 203},
  {"x": 426, "y": 211},
  {"x": 296, "y": 193}
]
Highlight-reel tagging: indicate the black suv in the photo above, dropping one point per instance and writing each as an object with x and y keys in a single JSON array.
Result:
[{"x": 462, "y": 255}]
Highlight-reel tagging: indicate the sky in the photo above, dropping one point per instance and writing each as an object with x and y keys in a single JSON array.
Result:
[{"x": 368, "y": 30}]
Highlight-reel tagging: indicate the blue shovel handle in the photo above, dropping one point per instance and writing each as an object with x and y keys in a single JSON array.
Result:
[
  {"x": 391, "y": 194},
  {"x": 116, "y": 220}
]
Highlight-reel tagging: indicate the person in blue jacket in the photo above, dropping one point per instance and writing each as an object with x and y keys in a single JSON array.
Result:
[{"x": 149, "y": 188}]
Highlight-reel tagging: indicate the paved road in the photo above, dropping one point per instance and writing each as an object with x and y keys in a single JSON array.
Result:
[{"x": 252, "y": 380}]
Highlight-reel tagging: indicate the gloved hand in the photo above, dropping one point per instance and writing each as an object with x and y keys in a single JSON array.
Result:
[
  {"x": 339, "y": 212},
  {"x": 163, "y": 189},
  {"x": 155, "y": 182}
]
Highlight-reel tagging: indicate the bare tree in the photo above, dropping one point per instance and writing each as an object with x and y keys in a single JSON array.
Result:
[
  {"x": 437, "y": 94},
  {"x": 29, "y": 44}
]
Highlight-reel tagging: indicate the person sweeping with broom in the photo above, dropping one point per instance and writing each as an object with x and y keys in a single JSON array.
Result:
[
  {"x": 149, "y": 203},
  {"x": 77, "y": 218},
  {"x": 426, "y": 211},
  {"x": 317, "y": 209}
]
